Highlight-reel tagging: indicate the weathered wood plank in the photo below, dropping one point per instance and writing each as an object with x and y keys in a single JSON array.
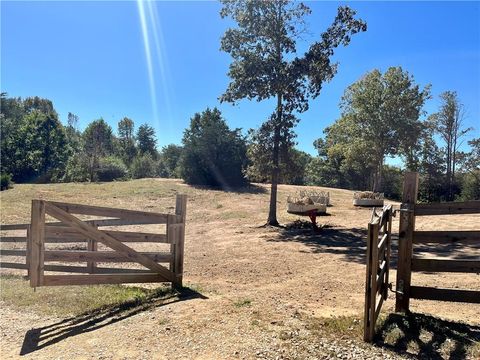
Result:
[
  {"x": 110, "y": 212},
  {"x": 430, "y": 293},
  {"x": 373, "y": 319},
  {"x": 98, "y": 270},
  {"x": 470, "y": 237},
  {"x": 405, "y": 246},
  {"x": 13, "y": 239},
  {"x": 448, "y": 208},
  {"x": 179, "y": 238},
  {"x": 12, "y": 265},
  {"x": 101, "y": 256},
  {"x": 94, "y": 279},
  {"x": 100, "y": 236},
  {"x": 37, "y": 241},
  {"x": 382, "y": 244},
  {"x": 367, "y": 320},
  {"x": 13, "y": 252},
  {"x": 14, "y": 227},
  {"x": 67, "y": 234},
  {"x": 446, "y": 265}
]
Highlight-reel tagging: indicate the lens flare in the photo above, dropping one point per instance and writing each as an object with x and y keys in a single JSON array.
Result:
[
  {"x": 157, "y": 65},
  {"x": 148, "y": 55}
]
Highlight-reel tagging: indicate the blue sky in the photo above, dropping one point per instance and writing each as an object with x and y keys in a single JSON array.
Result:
[{"x": 89, "y": 58}]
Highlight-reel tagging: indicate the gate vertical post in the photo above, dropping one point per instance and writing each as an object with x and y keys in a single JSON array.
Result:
[
  {"x": 28, "y": 252},
  {"x": 37, "y": 243},
  {"x": 181, "y": 210},
  {"x": 405, "y": 238},
  {"x": 367, "y": 319},
  {"x": 388, "y": 251}
]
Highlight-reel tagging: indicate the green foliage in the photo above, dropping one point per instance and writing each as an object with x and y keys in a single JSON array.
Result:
[
  {"x": 448, "y": 123},
  {"x": 98, "y": 143},
  {"x": 5, "y": 182},
  {"x": 111, "y": 168},
  {"x": 169, "y": 164},
  {"x": 265, "y": 65},
  {"x": 212, "y": 153},
  {"x": 33, "y": 140},
  {"x": 143, "y": 166},
  {"x": 77, "y": 169},
  {"x": 126, "y": 141},
  {"x": 471, "y": 185},
  {"x": 380, "y": 118},
  {"x": 147, "y": 141},
  {"x": 392, "y": 182}
]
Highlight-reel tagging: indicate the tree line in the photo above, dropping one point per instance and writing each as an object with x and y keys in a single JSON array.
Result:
[{"x": 37, "y": 147}]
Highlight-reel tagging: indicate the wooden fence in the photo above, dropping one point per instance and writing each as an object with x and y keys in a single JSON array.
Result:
[
  {"x": 69, "y": 229},
  {"x": 409, "y": 237},
  {"x": 378, "y": 264}
]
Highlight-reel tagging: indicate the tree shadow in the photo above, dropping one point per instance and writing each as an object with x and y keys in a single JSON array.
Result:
[
  {"x": 243, "y": 189},
  {"x": 422, "y": 336},
  {"x": 39, "y": 338},
  {"x": 351, "y": 243}
]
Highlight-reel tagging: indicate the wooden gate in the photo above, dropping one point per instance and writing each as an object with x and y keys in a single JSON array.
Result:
[
  {"x": 378, "y": 265},
  {"x": 408, "y": 262},
  {"x": 71, "y": 229}
]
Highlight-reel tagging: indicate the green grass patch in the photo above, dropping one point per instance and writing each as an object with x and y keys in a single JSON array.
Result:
[
  {"x": 242, "y": 303},
  {"x": 338, "y": 325},
  {"x": 71, "y": 300}
]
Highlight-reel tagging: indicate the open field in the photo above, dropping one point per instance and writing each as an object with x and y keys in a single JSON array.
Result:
[{"x": 253, "y": 291}]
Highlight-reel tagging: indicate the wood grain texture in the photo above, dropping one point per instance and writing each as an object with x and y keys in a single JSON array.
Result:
[{"x": 91, "y": 232}]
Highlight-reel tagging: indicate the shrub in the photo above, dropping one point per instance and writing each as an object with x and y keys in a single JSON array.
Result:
[
  {"x": 77, "y": 168},
  {"x": 5, "y": 182},
  {"x": 143, "y": 166},
  {"x": 111, "y": 168}
]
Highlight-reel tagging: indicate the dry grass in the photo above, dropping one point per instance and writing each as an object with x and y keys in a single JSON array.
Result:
[
  {"x": 71, "y": 300},
  {"x": 260, "y": 283}
]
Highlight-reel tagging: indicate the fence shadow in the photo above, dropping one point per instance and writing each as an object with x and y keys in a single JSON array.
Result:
[
  {"x": 422, "y": 336},
  {"x": 39, "y": 338}
]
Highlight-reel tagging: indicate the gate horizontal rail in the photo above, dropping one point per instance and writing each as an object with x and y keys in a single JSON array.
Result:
[{"x": 88, "y": 233}]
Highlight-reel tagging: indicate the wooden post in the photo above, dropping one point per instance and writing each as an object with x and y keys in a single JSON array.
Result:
[
  {"x": 180, "y": 209},
  {"x": 37, "y": 243},
  {"x": 92, "y": 245},
  {"x": 28, "y": 252},
  {"x": 368, "y": 285},
  {"x": 405, "y": 238},
  {"x": 388, "y": 228}
]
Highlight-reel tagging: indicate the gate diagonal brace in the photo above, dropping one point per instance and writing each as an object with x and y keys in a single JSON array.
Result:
[{"x": 110, "y": 241}]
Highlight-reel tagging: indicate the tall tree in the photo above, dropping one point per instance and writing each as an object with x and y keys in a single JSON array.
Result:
[
  {"x": 147, "y": 141},
  {"x": 126, "y": 140},
  {"x": 449, "y": 124},
  {"x": 382, "y": 111},
  {"x": 212, "y": 153},
  {"x": 265, "y": 64},
  {"x": 98, "y": 143},
  {"x": 33, "y": 140}
]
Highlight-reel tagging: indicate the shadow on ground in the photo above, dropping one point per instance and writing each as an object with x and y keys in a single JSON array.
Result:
[
  {"x": 425, "y": 337},
  {"x": 39, "y": 338},
  {"x": 245, "y": 189},
  {"x": 351, "y": 243}
]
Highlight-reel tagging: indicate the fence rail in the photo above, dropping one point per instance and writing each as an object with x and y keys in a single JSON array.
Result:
[
  {"x": 68, "y": 229},
  {"x": 408, "y": 262}
]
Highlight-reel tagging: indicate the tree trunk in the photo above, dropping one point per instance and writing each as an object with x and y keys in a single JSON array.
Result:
[
  {"x": 378, "y": 177},
  {"x": 272, "y": 213}
]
